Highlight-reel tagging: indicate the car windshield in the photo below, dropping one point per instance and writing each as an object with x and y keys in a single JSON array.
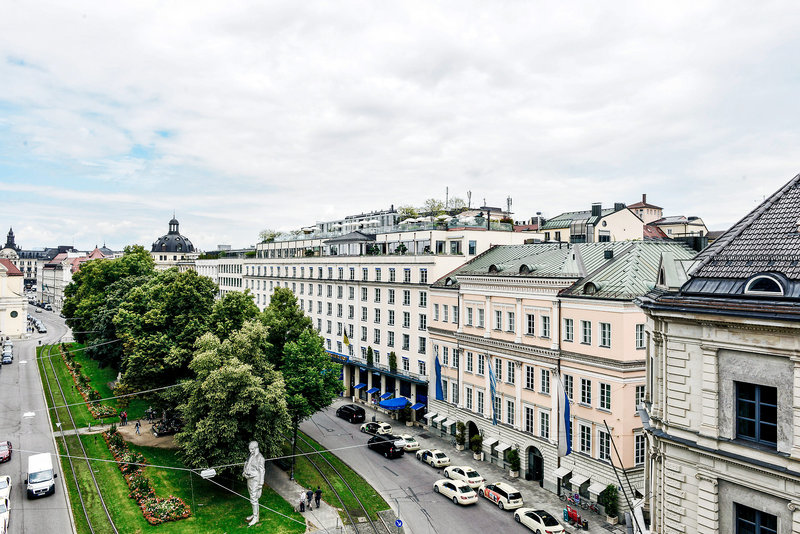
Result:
[
  {"x": 547, "y": 519},
  {"x": 473, "y": 474},
  {"x": 513, "y": 496},
  {"x": 465, "y": 489},
  {"x": 441, "y": 455},
  {"x": 41, "y": 476},
  {"x": 3, "y": 508},
  {"x": 410, "y": 440},
  {"x": 3, "y": 484}
]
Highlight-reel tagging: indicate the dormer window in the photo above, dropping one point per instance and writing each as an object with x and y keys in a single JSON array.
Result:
[
  {"x": 763, "y": 284},
  {"x": 524, "y": 269},
  {"x": 494, "y": 268},
  {"x": 590, "y": 288}
]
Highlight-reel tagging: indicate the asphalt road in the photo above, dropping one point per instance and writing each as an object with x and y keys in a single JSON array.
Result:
[
  {"x": 24, "y": 421},
  {"x": 406, "y": 483}
]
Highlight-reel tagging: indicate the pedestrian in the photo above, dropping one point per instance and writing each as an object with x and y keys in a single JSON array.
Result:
[
  {"x": 122, "y": 419},
  {"x": 302, "y": 506},
  {"x": 125, "y": 418},
  {"x": 309, "y": 498},
  {"x": 138, "y": 426},
  {"x": 317, "y": 496}
]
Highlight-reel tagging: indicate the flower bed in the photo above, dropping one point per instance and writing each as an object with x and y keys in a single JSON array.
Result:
[
  {"x": 89, "y": 394},
  {"x": 155, "y": 509}
]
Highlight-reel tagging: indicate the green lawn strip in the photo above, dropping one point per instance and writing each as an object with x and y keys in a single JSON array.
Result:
[
  {"x": 99, "y": 380},
  {"x": 308, "y": 476},
  {"x": 79, "y": 410},
  {"x": 81, "y": 526},
  {"x": 213, "y": 508}
]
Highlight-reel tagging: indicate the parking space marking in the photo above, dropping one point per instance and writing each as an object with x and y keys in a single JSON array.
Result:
[{"x": 392, "y": 472}]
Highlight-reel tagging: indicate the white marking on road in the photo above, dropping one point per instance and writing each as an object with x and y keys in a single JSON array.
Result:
[
  {"x": 29, "y": 414},
  {"x": 23, "y": 361}
]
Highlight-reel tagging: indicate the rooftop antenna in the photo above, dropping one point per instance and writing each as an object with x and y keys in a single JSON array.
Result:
[
  {"x": 446, "y": 197},
  {"x": 508, "y": 204},
  {"x": 469, "y": 199}
]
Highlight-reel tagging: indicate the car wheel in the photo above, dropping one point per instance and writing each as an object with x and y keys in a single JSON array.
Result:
[
  {"x": 432, "y": 464},
  {"x": 436, "y": 489},
  {"x": 455, "y": 500},
  {"x": 516, "y": 518},
  {"x": 446, "y": 473},
  {"x": 500, "y": 504}
]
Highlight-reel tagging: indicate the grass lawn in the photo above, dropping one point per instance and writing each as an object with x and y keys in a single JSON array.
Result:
[
  {"x": 307, "y": 476},
  {"x": 79, "y": 411}
]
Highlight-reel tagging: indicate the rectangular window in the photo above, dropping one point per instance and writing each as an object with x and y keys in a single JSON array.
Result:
[
  {"x": 377, "y": 274},
  {"x": 498, "y": 320},
  {"x": 498, "y": 369},
  {"x": 406, "y": 341},
  {"x": 339, "y": 308},
  {"x": 638, "y": 449},
  {"x": 481, "y": 364},
  {"x": 510, "y": 320},
  {"x": 568, "y": 385},
  {"x": 423, "y": 343},
  {"x": 469, "y": 362},
  {"x": 510, "y": 412},
  {"x": 530, "y": 324},
  {"x": 341, "y": 273},
  {"x": 330, "y": 308},
  {"x": 586, "y": 332},
  {"x": 391, "y": 296},
  {"x": 530, "y": 377},
  {"x": 364, "y": 293},
  {"x": 351, "y": 293},
  {"x": 479, "y": 403},
  {"x": 423, "y": 299},
  {"x": 473, "y": 247},
  {"x": 585, "y": 442},
  {"x": 330, "y": 273},
  {"x": 604, "y": 446},
  {"x": 330, "y": 326},
  {"x": 498, "y": 408},
  {"x": 544, "y": 424},
  {"x": 444, "y": 389},
  {"x": 406, "y": 297},
  {"x": 445, "y": 356},
  {"x": 421, "y": 366},
  {"x": 605, "y": 335},
  {"x": 529, "y": 419},
  {"x": 391, "y": 317},
  {"x": 406, "y": 364},
  {"x": 364, "y": 274},
  {"x": 757, "y": 413},
  {"x": 435, "y": 312},
  {"x": 544, "y": 381},
  {"x": 390, "y": 341},
  {"x": 363, "y": 314},
  {"x": 392, "y": 275},
  {"x": 481, "y": 313},
  {"x": 423, "y": 276},
  {"x": 406, "y": 276},
  {"x": 586, "y": 391},
  {"x": 455, "y": 314},
  {"x": 330, "y": 291},
  {"x": 377, "y": 294},
  {"x": 510, "y": 375},
  {"x": 752, "y": 521},
  {"x": 363, "y": 333},
  {"x": 352, "y": 273},
  {"x": 568, "y": 335},
  {"x": 469, "y": 316},
  {"x": 454, "y": 398},
  {"x": 377, "y": 315},
  {"x": 468, "y": 398},
  {"x": 406, "y": 320},
  {"x": 605, "y": 396},
  {"x": 639, "y": 336},
  {"x": 350, "y": 312},
  {"x": 545, "y": 326},
  {"x": 445, "y": 312},
  {"x": 423, "y": 321},
  {"x": 639, "y": 397},
  {"x": 377, "y": 338}
]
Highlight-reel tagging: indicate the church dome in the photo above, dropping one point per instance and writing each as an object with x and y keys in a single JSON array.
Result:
[{"x": 173, "y": 241}]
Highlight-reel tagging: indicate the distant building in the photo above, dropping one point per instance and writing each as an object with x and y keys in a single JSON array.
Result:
[
  {"x": 173, "y": 249},
  {"x": 57, "y": 273},
  {"x": 722, "y": 404},
  {"x": 597, "y": 225},
  {"x": 645, "y": 211},
  {"x": 13, "y": 305},
  {"x": 681, "y": 226}
]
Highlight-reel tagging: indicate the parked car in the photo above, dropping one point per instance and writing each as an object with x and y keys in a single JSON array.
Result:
[
  {"x": 5, "y": 515},
  {"x": 465, "y": 473},
  {"x": 433, "y": 457},
  {"x": 376, "y": 428},
  {"x": 352, "y": 413},
  {"x": 5, "y": 451},
  {"x": 48, "y": 307},
  {"x": 456, "y": 490},
  {"x": 38, "y": 310},
  {"x": 8, "y": 357},
  {"x": 505, "y": 496},
  {"x": 388, "y": 445},
  {"x": 411, "y": 443},
  {"x": 40, "y": 479},
  {"x": 42, "y": 330},
  {"x": 538, "y": 521},
  {"x": 5, "y": 487}
]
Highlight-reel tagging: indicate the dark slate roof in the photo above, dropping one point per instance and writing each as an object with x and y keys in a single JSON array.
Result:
[
  {"x": 766, "y": 239},
  {"x": 563, "y": 220},
  {"x": 352, "y": 237},
  {"x": 173, "y": 241}
]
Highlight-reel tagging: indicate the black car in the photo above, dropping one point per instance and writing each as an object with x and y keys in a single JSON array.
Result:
[
  {"x": 8, "y": 357},
  {"x": 388, "y": 445},
  {"x": 352, "y": 413}
]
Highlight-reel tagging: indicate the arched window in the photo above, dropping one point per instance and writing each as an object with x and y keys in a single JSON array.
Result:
[
  {"x": 763, "y": 285},
  {"x": 524, "y": 269},
  {"x": 494, "y": 268},
  {"x": 590, "y": 288}
]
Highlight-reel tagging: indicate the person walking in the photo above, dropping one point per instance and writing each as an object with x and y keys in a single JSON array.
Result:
[
  {"x": 317, "y": 496},
  {"x": 309, "y": 498},
  {"x": 138, "y": 426},
  {"x": 301, "y": 507}
]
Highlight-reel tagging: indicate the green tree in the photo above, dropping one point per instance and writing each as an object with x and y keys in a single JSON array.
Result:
[
  {"x": 285, "y": 321},
  {"x": 370, "y": 357},
  {"x": 457, "y": 204},
  {"x": 433, "y": 207},
  {"x": 407, "y": 212},
  {"x": 232, "y": 311},
  {"x": 235, "y": 396},
  {"x": 392, "y": 362},
  {"x": 312, "y": 379},
  {"x": 159, "y": 323},
  {"x": 268, "y": 235}
]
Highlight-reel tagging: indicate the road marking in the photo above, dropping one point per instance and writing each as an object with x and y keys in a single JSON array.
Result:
[
  {"x": 392, "y": 472},
  {"x": 29, "y": 414},
  {"x": 23, "y": 361}
]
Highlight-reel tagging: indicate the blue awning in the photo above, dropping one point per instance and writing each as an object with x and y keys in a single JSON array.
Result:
[
  {"x": 373, "y": 390},
  {"x": 359, "y": 386},
  {"x": 387, "y": 394},
  {"x": 417, "y": 406},
  {"x": 394, "y": 404}
]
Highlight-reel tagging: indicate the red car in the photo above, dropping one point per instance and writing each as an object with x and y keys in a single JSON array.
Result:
[{"x": 5, "y": 451}]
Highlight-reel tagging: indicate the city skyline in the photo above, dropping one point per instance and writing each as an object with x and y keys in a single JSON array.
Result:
[{"x": 116, "y": 116}]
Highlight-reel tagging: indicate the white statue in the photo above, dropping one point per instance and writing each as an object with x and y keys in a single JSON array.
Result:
[{"x": 254, "y": 473}]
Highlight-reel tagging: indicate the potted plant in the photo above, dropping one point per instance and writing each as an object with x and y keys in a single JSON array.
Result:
[
  {"x": 404, "y": 416},
  {"x": 512, "y": 457},
  {"x": 370, "y": 357},
  {"x": 392, "y": 362},
  {"x": 609, "y": 498},
  {"x": 461, "y": 437},
  {"x": 476, "y": 444}
]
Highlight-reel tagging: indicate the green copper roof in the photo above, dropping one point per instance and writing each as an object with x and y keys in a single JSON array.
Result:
[{"x": 563, "y": 220}]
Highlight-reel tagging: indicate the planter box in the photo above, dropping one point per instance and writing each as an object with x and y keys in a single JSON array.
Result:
[
  {"x": 409, "y": 423},
  {"x": 477, "y": 456},
  {"x": 459, "y": 447},
  {"x": 513, "y": 474},
  {"x": 613, "y": 520}
]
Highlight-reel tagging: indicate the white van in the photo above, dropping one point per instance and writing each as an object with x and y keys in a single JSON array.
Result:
[{"x": 40, "y": 479}]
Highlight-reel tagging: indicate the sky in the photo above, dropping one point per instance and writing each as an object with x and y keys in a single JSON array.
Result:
[{"x": 240, "y": 116}]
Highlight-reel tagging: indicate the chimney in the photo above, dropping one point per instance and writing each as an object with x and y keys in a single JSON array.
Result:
[
  {"x": 619, "y": 206},
  {"x": 644, "y": 198},
  {"x": 596, "y": 207}
]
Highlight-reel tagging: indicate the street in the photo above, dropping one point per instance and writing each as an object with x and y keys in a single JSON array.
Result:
[
  {"x": 407, "y": 484},
  {"x": 24, "y": 421}
]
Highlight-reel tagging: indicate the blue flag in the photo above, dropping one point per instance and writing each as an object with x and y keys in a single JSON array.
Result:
[
  {"x": 492, "y": 388},
  {"x": 438, "y": 367},
  {"x": 564, "y": 422}
]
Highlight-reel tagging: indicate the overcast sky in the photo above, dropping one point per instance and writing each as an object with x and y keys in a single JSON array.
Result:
[{"x": 243, "y": 116}]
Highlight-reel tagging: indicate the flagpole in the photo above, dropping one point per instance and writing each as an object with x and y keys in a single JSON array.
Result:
[{"x": 625, "y": 493}]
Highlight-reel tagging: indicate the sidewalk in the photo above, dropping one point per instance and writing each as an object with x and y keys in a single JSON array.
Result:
[
  {"x": 533, "y": 495},
  {"x": 324, "y": 519}
]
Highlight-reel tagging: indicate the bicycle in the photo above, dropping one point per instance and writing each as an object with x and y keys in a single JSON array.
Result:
[{"x": 574, "y": 500}]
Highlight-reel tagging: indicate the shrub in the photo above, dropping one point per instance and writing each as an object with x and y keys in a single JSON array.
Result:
[
  {"x": 609, "y": 498},
  {"x": 513, "y": 459},
  {"x": 476, "y": 444},
  {"x": 461, "y": 436}
]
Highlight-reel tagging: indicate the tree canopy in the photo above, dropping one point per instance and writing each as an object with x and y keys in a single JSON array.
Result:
[
  {"x": 232, "y": 311},
  {"x": 285, "y": 321}
]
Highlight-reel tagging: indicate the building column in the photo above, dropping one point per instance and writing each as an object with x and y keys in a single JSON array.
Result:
[
  {"x": 555, "y": 323},
  {"x": 518, "y": 325},
  {"x": 346, "y": 371},
  {"x": 518, "y": 402},
  {"x": 796, "y": 409},
  {"x": 383, "y": 385},
  {"x": 709, "y": 423},
  {"x": 487, "y": 318},
  {"x": 794, "y": 507},
  {"x": 707, "y": 503}
]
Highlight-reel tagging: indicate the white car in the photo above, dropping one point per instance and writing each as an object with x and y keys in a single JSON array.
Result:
[
  {"x": 376, "y": 428},
  {"x": 5, "y": 515},
  {"x": 5, "y": 487},
  {"x": 505, "y": 496},
  {"x": 538, "y": 521},
  {"x": 411, "y": 443},
  {"x": 433, "y": 457},
  {"x": 456, "y": 490},
  {"x": 465, "y": 473}
]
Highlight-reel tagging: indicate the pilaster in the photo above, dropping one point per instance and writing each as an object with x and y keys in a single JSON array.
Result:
[
  {"x": 796, "y": 410},
  {"x": 794, "y": 507},
  {"x": 709, "y": 422},
  {"x": 707, "y": 503}
]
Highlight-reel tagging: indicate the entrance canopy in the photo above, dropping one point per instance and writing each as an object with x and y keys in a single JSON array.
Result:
[
  {"x": 418, "y": 405},
  {"x": 387, "y": 395},
  {"x": 595, "y": 488},
  {"x": 429, "y": 415},
  {"x": 373, "y": 390},
  {"x": 394, "y": 404},
  {"x": 562, "y": 472},
  {"x": 579, "y": 479},
  {"x": 359, "y": 386},
  {"x": 502, "y": 447}
]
